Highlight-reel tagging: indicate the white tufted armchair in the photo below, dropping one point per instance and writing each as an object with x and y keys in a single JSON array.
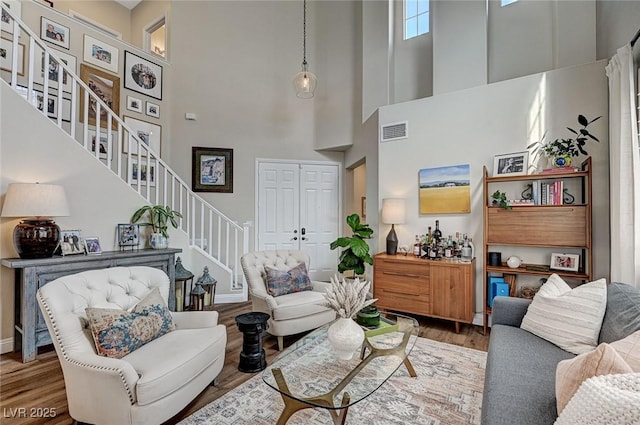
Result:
[
  {"x": 290, "y": 313},
  {"x": 152, "y": 383}
]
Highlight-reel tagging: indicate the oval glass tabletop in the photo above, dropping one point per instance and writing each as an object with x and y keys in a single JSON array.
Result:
[{"x": 308, "y": 371}]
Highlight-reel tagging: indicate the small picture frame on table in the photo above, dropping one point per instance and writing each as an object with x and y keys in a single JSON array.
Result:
[
  {"x": 565, "y": 262},
  {"x": 128, "y": 235},
  {"x": 71, "y": 242},
  {"x": 92, "y": 245},
  {"x": 511, "y": 164}
]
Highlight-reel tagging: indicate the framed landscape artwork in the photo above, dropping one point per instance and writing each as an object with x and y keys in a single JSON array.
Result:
[
  {"x": 107, "y": 87},
  {"x": 212, "y": 170},
  {"x": 445, "y": 190},
  {"x": 142, "y": 76}
]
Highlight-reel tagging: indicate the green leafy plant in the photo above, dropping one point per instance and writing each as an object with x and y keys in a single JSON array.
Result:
[
  {"x": 500, "y": 199},
  {"x": 159, "y": 217},
  {"x": 570, "y": 146},
  {"x": 356, "y": 254}
]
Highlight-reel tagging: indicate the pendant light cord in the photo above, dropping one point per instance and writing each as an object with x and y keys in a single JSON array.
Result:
[{"x": 304, "y": 33}]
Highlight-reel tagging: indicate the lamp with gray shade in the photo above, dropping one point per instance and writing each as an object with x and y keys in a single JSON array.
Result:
[
  {"x": 37, "y": 235},
  {"x": 393, "y": 212}
]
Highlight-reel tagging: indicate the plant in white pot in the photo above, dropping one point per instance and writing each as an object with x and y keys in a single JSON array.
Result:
[
  {"x": 159, "y": 218},
  {"x": 347, "y": 298}
]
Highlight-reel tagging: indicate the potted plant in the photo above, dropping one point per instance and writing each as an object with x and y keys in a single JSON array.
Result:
[
  {"x": 159, "y": 217},
  {"x": 500, "y": 200},
  {"x": 562, "y": 150},
  {"x": 357, "y": 252}
]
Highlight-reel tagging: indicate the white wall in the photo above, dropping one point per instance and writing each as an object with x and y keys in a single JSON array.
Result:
[
  {"x": 616, "y": 24},
  {"x": 471, "y": 126}
]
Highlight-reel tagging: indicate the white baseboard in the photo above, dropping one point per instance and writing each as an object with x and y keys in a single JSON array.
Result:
[
  {"x": 229, "y": 298},
  {"x": 6, "y": 345},
  {"x": 477, "y": 320}
]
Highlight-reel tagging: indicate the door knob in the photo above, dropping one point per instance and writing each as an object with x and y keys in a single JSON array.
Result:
[
  {"x": 296, "y": 231},
  {"x": 295, "y": 238},
  {"x": 303, "y": 238},
  {"x": 303, "y": 231}
]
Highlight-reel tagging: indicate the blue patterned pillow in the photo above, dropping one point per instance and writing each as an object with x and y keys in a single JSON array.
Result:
[
  {"x": 117, "y": 333},
  {"x": 287, "y": 282}
]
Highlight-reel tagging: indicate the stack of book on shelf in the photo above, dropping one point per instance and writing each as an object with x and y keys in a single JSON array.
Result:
[{"x": 550, "y": 193}]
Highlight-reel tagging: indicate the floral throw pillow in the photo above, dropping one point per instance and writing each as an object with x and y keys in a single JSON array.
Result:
[
  {"x": 287, "y": 282},
  {"x": 117, "y": 333}
]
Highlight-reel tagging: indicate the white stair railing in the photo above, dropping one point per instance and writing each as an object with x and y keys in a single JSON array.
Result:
[{"x": 141, "y": 168}]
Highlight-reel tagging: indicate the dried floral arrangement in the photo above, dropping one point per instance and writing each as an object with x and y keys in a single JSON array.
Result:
[{"x": 347, "y": 298}]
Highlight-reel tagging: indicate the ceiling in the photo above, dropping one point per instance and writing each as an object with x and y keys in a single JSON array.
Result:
[{"x": 129, "y": 4}]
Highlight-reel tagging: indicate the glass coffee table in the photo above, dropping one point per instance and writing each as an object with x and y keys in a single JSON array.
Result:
[{"x": 308, "y": 374}]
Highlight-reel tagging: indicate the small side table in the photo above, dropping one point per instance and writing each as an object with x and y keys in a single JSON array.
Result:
[{"x": 252, "y": 357}]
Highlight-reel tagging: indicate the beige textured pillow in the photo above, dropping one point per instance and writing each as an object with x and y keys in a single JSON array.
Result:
[
  {"x": 571, "y": 373},
  {"x": 569, "y": 318},
  {"x": 629, "y": 349}
]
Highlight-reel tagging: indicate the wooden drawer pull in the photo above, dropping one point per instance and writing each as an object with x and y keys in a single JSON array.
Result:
[{"x": 404, "y": 274}]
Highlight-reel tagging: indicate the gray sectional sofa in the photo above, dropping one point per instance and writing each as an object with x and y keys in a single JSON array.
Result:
[{"x": 519, "y": 387}]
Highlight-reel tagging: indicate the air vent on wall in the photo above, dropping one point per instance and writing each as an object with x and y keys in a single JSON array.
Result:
[{"x": 395, "y": 131}]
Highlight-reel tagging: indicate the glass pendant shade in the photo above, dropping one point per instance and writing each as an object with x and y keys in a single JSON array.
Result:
[{"x": 305, "y": 84}]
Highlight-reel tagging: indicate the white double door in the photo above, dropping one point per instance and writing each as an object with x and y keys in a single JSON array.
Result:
[{"x": 298, "y": 208}]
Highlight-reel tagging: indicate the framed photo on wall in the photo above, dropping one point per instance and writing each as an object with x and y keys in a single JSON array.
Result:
[
  {"x": 566, "y": 262},
  {"x": 54, "y": 33},
  {"x": 152, "y": 110},
  {"x": 134, "y": 104},
  {"x": 6, "y": 56},
  {"x": 212, "y": 170},
  {"x": 53, "y": 68},
  {"x": 149, "y": 133},
  {"x": 100, "y": 54},
  {"x": 107, "y": 87},
  {"x": 147, "y": 173},
  {"x": 142, "y": 76},
  {"x": 103, "y": 143},
  {"x": 511, "y": 164},
  {"x": 6, "y": 23}
]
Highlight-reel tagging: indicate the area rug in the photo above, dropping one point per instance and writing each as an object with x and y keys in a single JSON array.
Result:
[{"x": 447, "y": 391}]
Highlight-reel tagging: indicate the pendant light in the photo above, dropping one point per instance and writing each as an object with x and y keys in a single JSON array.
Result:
[{"x": 305, "y": 82}]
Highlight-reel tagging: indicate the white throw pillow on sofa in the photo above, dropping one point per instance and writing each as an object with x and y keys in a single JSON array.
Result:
[{"x": 569, "y": 318}]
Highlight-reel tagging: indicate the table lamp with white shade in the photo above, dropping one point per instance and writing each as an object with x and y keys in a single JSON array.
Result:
[
  {"x": 393, "y": 212},
  {"x": 37, "y": 235}
]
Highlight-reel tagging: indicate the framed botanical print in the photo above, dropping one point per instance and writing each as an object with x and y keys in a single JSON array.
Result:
[
  {"x": 212, "y": 170},
  {"x": 107, "y": 87},
  {"x": 101, "y": 54},
  {"x": 142, "y": 76}
]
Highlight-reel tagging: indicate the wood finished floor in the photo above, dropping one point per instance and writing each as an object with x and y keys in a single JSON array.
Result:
[{"x": 39, "y": 384}]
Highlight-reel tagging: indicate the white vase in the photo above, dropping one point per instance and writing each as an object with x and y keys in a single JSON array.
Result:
[
  {"x": 345, "y": 336},
  {"x": 158, "y": 241}
]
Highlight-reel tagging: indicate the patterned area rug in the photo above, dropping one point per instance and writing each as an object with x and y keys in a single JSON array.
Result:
[{"x": 447, "y": 391}]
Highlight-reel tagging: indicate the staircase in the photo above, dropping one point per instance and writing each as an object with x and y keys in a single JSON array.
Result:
[{"x": 210, "y": 233}]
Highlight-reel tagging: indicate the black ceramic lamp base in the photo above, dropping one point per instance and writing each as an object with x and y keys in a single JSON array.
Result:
[
  {"x": 392, "y": 242},
  {"x": 37, "y": 238}
]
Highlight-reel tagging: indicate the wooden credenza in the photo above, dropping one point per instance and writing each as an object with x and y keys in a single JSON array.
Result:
[
  {"x": 443, "y": 289},
  {"x": 30, "y": 329}
]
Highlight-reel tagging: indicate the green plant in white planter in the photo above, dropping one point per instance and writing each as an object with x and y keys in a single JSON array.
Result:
[{"x": 159, "y": 218}]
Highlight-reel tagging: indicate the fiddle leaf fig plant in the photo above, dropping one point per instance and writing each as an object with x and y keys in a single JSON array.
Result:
[
  {"x": 357, "y": 252},
  {"x": 159, "y": 217}
]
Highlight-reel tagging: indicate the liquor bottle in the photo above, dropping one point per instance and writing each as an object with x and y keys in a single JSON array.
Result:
[
  {"x": 417, "y": 247},
  {"x": 437, "y": 234},
  {"x": 466, "y": 253},
  {"x": 448, "y": 250}
]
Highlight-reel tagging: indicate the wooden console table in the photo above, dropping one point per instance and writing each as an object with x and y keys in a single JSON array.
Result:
[
  {"x": 442, "y": 289},
  {"x": 30, "y": 329}
]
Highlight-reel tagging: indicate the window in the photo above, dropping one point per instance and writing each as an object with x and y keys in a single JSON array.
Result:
[
  {"x": 507, "y": 2},
  {"x": 416, "y": 18}
]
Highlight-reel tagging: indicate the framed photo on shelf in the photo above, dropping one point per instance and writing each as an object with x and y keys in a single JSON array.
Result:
[
  {"x": 100, "y": 54},
  {"x": 92, "y": 245},
  {"x": 511, "y": 164},
  {"x": 212, "y": 170},
  {"x": 565, "y": 262},
  {"x": 107, "y": 87},
  {"x": 134, "y": 104},
  {"x": 6, "y": 56},
  {"x": 71, "y": 242},
  {"x": 152, "y": 110},
  {"x": 142, "y": 76},
  {"x": 128, "y": 234},
  {"x": 54, "y": 33},
  {"x": 149, "y": 133}
]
